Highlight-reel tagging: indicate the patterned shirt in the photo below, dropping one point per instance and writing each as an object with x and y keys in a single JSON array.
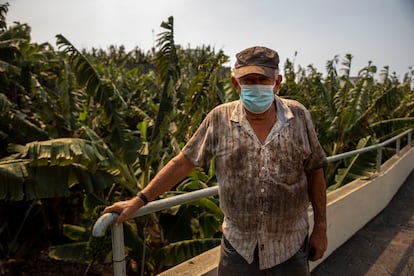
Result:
[{"x": 262, "y": 187}]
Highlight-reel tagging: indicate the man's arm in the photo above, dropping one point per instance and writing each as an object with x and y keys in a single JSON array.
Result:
[
  {"x": 317, "y": 195},
  {"x": 172, "y": 173}
]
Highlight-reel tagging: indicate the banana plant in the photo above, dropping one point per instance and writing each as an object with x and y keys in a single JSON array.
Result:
[
  {"x": 350, "y": 110},
  {"x": 156, "y": 133}
]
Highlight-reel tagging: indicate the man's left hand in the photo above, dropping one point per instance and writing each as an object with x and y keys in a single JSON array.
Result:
[{"x": 318, "y": 243}]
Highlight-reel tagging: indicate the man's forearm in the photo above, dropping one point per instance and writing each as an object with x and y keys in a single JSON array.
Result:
[
  {"x": 317, "y": 196},
  {"x": 178, "y": 168},
  {"x": 175, "y": 171},
  {"x": 318, "y": 240}
]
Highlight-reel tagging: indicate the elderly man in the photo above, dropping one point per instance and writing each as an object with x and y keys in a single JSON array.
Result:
[{"x": 269, "y": 165}]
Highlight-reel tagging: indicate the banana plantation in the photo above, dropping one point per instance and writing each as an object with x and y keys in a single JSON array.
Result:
[{"x": 83, "y": 128}]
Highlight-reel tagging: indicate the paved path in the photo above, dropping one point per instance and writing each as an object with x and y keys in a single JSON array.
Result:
[{"x": 385, "y": 246}]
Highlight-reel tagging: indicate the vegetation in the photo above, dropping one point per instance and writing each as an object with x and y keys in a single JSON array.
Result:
[
  {"x": 80, "y": 129},
  {"x": 351, "y": 112}
]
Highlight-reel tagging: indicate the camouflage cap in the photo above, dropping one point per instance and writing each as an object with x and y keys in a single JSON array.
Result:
[{"x": 256, "y": 60}]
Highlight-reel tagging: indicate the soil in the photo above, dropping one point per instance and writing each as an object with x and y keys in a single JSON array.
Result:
[
  {"x": 42, "y": 228},
  {"x": 42, "y": 265}
]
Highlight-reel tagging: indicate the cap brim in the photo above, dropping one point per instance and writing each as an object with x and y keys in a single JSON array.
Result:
[{"x": 246, "y": 70}]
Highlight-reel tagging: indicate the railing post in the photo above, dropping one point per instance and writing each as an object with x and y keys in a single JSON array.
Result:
[
  {"x": 118, "y": 251},
  {"x": 397, "y": 147},
  {"x": 379, "y": 157}
]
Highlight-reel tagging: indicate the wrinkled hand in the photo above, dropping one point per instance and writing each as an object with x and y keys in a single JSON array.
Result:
[
  {"x": 125, "y": 209},
  {"x": 318, "y": 242}
]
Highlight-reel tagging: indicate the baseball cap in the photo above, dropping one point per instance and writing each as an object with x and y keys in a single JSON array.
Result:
[{"x": 257, "y": 59}]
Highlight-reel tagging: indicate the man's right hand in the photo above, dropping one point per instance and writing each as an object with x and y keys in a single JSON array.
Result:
[{"x": 125, "y": 209}]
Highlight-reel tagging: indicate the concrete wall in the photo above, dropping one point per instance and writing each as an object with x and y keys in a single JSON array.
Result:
[
  {"x": 349, "y": 208},
  {"x": 354, "y": 205}
]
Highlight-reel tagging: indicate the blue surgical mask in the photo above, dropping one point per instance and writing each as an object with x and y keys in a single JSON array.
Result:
[{"x": 257, "y": 98}]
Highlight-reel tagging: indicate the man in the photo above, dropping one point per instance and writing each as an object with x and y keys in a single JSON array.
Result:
[{"x": 269, "y": 164}]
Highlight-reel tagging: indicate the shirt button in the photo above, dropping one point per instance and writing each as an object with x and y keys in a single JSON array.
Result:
[
  {"x": 262, "y": 190},
  {"x": 261, "y": 212},
  {"x": 261, "y": 246}
]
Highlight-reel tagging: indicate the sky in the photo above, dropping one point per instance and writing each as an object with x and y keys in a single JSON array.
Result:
[{"x": 381, "y": 31}]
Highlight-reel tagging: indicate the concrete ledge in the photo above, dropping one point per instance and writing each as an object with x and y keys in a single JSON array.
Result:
[
  {"x": 352, "y": 206},
  {"x": 203, "y": 264},
  {"x": 349, "y": 208}
]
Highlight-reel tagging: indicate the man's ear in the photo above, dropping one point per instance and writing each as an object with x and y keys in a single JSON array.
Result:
[
  {"x": 278, "y": 83},
  {"x": 236, "y": 84}
]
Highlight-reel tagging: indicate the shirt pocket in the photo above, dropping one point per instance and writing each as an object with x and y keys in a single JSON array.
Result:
[{"x": 288, "y": 164}]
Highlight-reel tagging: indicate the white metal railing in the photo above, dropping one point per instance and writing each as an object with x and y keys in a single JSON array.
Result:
[{"x": 108, "y": 219}]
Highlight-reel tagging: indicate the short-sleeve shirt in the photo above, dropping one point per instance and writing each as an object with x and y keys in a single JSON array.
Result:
[{"x": 262, "y": 187}]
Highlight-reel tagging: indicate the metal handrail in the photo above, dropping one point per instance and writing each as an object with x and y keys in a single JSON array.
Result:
[
  {"x": 108, "y": 219},
  {"x": 117, "y": 232},
  {"x": 378, "y": 147}
]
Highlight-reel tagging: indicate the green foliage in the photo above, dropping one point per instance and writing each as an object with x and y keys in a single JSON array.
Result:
[
  {"x": 32, "y": 171},
  {"x": 107, "y": 98},
  {"x": 4, "y": 8},
  {"x": 355, "y": 167},
  {"x": 350, "y": 111},
  {"x": 98, "y": 248},
  {"x": 86, "y": 248},
  {"x": 73, "y": 251}
]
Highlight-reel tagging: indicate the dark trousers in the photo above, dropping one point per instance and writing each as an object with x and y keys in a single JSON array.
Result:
[{"x": 232, "y": 264}]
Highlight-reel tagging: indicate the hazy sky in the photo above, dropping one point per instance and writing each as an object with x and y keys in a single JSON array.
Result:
[{"x": 378, "y": 30}]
